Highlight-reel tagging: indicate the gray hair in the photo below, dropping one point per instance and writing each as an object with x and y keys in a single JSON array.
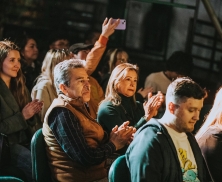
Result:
[{"x": 62, "y": 72}]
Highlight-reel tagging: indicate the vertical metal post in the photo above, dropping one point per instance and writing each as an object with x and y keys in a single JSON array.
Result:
[
  {"x": 192, "y": 28},
  {"x": 213, "y": 17}
]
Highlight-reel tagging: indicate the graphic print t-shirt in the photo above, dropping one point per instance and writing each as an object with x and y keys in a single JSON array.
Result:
[{"x": 185, "y": 155}]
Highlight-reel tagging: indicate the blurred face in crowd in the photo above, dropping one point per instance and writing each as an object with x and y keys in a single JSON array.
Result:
[
  {"x": 11, "y": 65},
  {"x": 60, "y": 44},
  {"x": 82, "y": 54},
  {"x": 30, "y": 51},
  {"x": 94, "y": 38},
  {"x": 79, "y": 85},
  {"x": 122, "y": 57},
  {"x": 174, "y": 75},
  {"x": 127, "y": 86}
]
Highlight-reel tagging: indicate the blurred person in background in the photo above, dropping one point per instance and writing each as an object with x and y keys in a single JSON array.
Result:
[
  {"x": 209, "y": 138},
  {"x": 113, "y": 58},
  {"x": 179, "y": 64},
  {"x": 29, "y": 54},
  {"x": 44, "y": 89}
]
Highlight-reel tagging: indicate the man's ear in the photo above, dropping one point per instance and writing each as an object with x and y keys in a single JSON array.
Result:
[
  {"x": 171, "y": 107},
  {"x": 63, "y": 88}
]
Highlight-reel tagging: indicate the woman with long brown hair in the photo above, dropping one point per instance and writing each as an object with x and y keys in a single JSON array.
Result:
[
  {"x": 29, "y": 58},
  {"x": 17, "y": 111}
]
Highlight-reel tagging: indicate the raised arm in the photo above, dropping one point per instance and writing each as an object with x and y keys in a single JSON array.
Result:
[{"x": 95, "y": 55}]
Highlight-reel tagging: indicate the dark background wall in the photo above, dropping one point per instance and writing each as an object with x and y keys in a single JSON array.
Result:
[{"x": 153, "y": 31}]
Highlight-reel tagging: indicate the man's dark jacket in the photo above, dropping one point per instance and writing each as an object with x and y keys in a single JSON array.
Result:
[{"x": 152, "y": 156}]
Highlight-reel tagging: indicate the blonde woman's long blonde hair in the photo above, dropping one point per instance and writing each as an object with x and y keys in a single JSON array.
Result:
[
  {"x": 52, "y": 58},
  {"x": 118, "y": 74},
  {"x": 214, "y": 117}
]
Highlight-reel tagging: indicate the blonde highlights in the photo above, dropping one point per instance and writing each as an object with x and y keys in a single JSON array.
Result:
[
  {"x": 214, "y": 117},
  {"x": 52, "y": 58},
  {"x": 117, "y": 75}
]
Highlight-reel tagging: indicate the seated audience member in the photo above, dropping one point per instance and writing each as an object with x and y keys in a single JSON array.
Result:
[
  {"x": 92, "y": 36},
  {"x": 44, "y": 89},
  {"x": 58, "y": 40},
  {"x": 17, "y": 111},
  {"x": 209, "y": 138},
  {"x": 179, "y": 64},
  {"x": 77, "y": 146},
  {"x": 97, "y": 51},
  {"x": 119, "y": 104},
  {"x": 30, "y": 66},
  {"x": 82, "y": 51},
  {"x": 165, "y": 149},
  {"x": 113, "y": 58}
]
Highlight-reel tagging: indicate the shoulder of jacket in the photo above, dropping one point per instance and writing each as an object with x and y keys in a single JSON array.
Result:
[{"x": 154, "y": 124}]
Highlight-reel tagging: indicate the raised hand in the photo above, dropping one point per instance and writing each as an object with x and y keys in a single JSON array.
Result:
[
  {"x": 153, "y": 104},
  {"x": 32, "y": 108},
  {"x": 108, "y": 27}
]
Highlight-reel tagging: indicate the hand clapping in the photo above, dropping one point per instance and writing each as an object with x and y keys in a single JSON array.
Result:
[
  {"x": 153, "y": 104},
  {"x": 120, "y": 136},
  {"x": 32, "y": 108}
]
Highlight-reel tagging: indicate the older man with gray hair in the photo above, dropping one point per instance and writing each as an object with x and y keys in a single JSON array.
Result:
[{"x": 77, "y": 147}]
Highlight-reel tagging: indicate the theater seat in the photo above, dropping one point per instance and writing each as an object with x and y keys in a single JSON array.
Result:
[
  {"x": 119, "y": 171},
  {"x": 10, "y": 179},
  {"x": 40, "y": 168}
]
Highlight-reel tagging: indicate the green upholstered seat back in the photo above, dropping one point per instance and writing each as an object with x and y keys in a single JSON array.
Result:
[
  {"x": 10, "y": 179},
  {"x": 40, "y": 168},
  {"x": 119, "y": 171}
]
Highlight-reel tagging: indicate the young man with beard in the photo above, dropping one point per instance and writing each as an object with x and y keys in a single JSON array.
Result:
[{"x": 165, "y": 149}]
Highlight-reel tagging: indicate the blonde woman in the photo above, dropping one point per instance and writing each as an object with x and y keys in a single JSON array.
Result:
[
  {"x": 44, "y": 89},
  {"x": 209, "y": 138},
  {"x": 120, "y": 104},
  {"x": 115, "y": 57}
]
